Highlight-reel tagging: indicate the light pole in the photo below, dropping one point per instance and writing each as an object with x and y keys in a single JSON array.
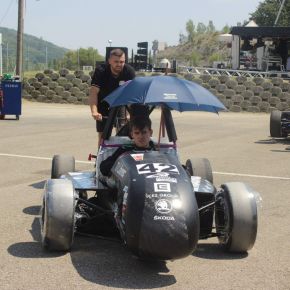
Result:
[
  {"x": 46, "y": 60},
  {"x": 110, "y": 42},
  {"x": 7, "y": 57},
  {"x": 78, "y": 58},
  {"x": 19, "y": 60}
]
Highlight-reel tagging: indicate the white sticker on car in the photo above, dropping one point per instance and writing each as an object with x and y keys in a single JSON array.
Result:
[
  {"x": 162, "y": 176},
  {"x": 163, "y": 218},
  {"x": 161, "y": 195},
  {"x": 146, "y": 168},
  {"x": 163, "y": 206},
  {"x": 162, "y": 187},
  {"x": 138, "y": 157}
]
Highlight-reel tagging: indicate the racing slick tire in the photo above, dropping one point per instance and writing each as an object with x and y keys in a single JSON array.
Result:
[
  {"x": 57, "y": 215},
  {"x": 62, "y": 164},
  {"x": 275, "y": 124},
  {"x": 236, "y": 217},
  {"x": 199, "y": 167}
]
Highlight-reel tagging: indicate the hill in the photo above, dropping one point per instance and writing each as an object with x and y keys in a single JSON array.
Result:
[
  {"x": 202, "y": 50},
  {"x": 36, "y": 51}
]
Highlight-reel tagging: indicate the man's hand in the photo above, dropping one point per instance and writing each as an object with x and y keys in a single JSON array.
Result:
[{"x": 97, "y": 116}]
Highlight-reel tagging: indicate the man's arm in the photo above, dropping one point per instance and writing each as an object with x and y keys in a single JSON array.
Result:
[{"x": 93, "y": 101}]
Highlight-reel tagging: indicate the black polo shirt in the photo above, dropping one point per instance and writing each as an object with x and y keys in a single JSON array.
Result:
[{"x": 107, "y": 83}]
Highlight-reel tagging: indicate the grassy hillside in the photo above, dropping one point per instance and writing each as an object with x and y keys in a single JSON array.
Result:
[
  {"x": 201, "y": 51},
  {"x": 35, "y": 51}
]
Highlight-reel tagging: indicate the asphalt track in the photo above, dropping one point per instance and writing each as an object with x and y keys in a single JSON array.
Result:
[{"x": 239, "y": 149}]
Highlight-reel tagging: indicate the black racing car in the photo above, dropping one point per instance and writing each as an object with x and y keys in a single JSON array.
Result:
[{"x": 153, "y": 203}]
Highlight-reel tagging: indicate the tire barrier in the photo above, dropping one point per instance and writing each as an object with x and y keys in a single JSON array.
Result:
[{"x": 236, "y": 93}]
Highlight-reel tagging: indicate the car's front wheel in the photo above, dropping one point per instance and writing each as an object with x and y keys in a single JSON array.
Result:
[
  {"x": 236, "y": 217},
  {"x": 57, "y": 215}
]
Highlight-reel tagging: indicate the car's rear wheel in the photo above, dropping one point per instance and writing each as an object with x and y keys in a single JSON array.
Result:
[
  {"x": 199, "y": 167},
  {"x": 236, "y": 217},
  {"x": 275, "y": 124},
  {"x": 57, "y": 215},
  {"x": 62, "y": 164}
]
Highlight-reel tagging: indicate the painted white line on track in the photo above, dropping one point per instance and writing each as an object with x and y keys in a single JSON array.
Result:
[
  {"x": 252, "y": 175},
  {"x": 40, "y": 158},
  {"x": 215, "y": 172}
]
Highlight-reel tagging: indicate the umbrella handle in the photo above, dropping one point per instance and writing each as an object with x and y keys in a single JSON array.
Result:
[{"x": 161, "y": 129}]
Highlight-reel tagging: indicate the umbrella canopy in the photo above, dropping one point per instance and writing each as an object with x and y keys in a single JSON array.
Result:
[{"x": 178, "y": 94}]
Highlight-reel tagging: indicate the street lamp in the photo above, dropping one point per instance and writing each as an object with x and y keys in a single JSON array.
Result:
[{"x": 110, "y": 42}]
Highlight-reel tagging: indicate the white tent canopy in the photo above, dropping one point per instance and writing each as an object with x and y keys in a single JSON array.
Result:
[
  {"x": 227, "y": 37},
  {"x": 252, "y": 23}
]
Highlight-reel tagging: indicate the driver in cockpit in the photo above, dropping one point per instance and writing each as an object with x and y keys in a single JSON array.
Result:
[{"x": 141, "y": 132}]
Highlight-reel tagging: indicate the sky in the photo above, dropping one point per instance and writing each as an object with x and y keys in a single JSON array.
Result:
[{"x": 92, "y": 23}]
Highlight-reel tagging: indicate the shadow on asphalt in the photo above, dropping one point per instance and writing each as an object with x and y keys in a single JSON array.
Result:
[
  {"x": 102, "y": 262},
  {"x": 216, "y": 252},
  {"x": 38, "y": 185},
  {"x": 271, "y": 141},
  {"x": 111, "y": 264},
  {"x": 32, "y": 210},
  {"x": 32, "y": 249}
]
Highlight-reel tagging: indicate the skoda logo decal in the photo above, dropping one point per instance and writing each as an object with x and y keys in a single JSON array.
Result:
[{"x": 163, "y": 206}]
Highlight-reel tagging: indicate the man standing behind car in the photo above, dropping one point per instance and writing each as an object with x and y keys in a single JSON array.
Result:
[{"x": 105, "y": 80}]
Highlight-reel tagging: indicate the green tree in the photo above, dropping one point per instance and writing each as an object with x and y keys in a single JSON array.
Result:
[
  {"x": 194, "y": 58},
  {"x": 210, "y": 27},
  {"x": 76, "y": 59},
  {"x": 216, "y": 56},
  {"x": 226, "y": 29},
  {"x": 267, "y": 11},
  {"x": 201, "y": 28},
  {"x": 190, "y": 28},
  {"x": 182, "y": 38}
]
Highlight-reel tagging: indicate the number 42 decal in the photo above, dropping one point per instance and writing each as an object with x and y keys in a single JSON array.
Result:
[{"x": 156, "y": 167}]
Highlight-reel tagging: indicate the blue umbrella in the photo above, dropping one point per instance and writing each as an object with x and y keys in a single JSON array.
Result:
[{"x": 178, "y": 94}]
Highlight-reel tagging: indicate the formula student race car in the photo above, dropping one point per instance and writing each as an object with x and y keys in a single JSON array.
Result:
[
  {"x": 279, "y": 124},
  {"x": 153, "y": 203}
]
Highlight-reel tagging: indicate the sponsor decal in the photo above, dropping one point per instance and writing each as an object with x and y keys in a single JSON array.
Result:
[
  {"x": 169, "y": 96},
  {"x": 168, "y": 179},
  {"x": 159, "y": 174},
  {"x": 163, "y": 176},
  {"x": 146, "y": 168},
  {"x": 164, "y": 218},
  {"x": 120, "y": 170},
  {"x": 163, "y": 206},
  {"x": 138, "y": 157},
  {"x": 160, "y": 195},
  {"x": 162, "y": 187}
]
